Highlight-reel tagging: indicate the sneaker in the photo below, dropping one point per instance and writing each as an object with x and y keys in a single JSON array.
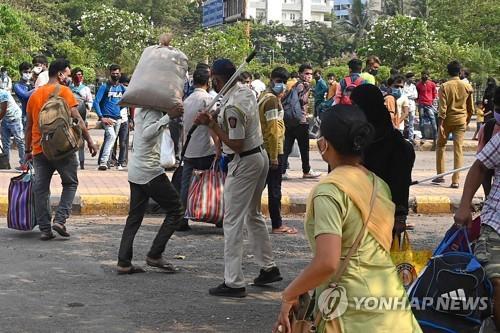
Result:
[
  {"x": 225, "y": 291},
  {"x": 454, "y": 185},
  {"x": 47, "y": 235},
  {"x": 285, "y": 176},
  {"x": 102, "y": 167},
  {"x": 311, "y": 174},
  {"x": 439, "y": 180},
  {"x": 119, "y": 167},
  {"x": 269, "y": 276}
]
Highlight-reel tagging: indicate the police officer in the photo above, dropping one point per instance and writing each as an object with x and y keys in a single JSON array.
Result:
[{"x": 238, "y": 127}]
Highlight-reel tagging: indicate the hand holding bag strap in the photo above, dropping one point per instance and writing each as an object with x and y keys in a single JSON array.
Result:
[{"x": 354, "y": 247}]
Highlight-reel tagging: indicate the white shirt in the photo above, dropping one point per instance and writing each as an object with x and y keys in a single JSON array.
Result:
[
  {"x": 258, "y": 86},
  {"x": 401, "y": 103},
  {"x": 42, "y": 79},
  {"x": 201, "y": 143},
  {"x": 410, "y": 90}
]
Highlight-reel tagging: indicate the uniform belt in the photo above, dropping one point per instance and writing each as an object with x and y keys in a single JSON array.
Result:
[{"x": 256, "y": 150}]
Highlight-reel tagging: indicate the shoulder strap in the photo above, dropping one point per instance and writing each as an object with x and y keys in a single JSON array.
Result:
[
  {"x": 359, "y": 80},
  {"x": 357, "y": 242},
  {"x": 56, "y": 91}
]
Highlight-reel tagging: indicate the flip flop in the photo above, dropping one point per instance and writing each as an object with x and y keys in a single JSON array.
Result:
[
  {"x": 130, "y": 270},
  {"x": 60, "y": 229},
  {"x": 285, "y": 230},
  {"x": 161, "y": 264}
]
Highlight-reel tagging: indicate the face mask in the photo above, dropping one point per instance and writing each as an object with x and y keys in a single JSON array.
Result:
[
  {"x": 26, "y": 76},
  {"x": 37, "y": 70},
  {"x": 115, "y": 78},
  {"x": 397, "y": 93},
  {"x": 424, "y": 78},
  {"x": 373, "y": 72},
  {"x": 497, "y": 116},
  {"x": 278, "y": 88}
]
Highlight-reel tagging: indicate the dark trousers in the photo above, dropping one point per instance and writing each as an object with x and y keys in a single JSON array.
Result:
[
  {"x": 44, "y": 170},
  {"x": 175, "y": 127},
  {"x": 274, "y": 179},
  {"x": 122, "y": 144},
  {"x": 301, "y": 134},
  {"x": 160, "y": 190}
]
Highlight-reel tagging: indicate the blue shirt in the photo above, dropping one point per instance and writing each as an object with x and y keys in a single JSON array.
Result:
[
  {"x": 107, "y": 106},
  {"x": 13, "y": 110},
  {"x": 23, "y": 91},
  {"x": 320, "y": 90}
]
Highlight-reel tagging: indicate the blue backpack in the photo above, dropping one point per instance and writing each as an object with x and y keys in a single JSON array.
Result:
[{"x": 452, "y": 293}]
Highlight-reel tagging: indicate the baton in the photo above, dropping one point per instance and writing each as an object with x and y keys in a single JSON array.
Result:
[
  {"x": 224, "y": 89},
  {"x": 416, "y": 182}
]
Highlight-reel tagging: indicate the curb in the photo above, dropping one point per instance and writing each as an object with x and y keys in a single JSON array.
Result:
[
  {"x": 117, "y": 205},
  {"x": 469, "y": 146}
]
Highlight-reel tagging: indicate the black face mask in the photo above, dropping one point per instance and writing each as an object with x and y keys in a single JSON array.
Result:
[
  {"x": 115, "y": 78},
  {"x": 373, "y": 72}
]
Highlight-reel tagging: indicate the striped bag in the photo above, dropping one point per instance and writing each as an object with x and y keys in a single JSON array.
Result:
[
  {"x": 205, "y": 197},
  {"x": 21, "y": 207}
]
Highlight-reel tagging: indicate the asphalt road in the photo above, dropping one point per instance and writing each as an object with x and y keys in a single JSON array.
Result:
[{"x": 71, "y": 286}]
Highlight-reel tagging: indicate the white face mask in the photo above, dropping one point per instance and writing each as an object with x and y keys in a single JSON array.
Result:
[{"x": 26, "y": 76}]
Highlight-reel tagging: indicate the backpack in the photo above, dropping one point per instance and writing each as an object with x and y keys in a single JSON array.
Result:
[
  {"x": 292, "y": 108},
  {"x": 452, "y": 294},
  {"x": 345, "y": 98},
  {"x": 60, "y": 136}
]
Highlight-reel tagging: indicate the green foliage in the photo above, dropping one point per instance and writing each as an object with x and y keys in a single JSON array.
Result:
[
  {"x": 117, "y": 35},
  {"x": 17, "y": 41}
]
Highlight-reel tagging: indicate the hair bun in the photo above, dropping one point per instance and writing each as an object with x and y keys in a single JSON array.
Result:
[{"x": 361, "y": 135}]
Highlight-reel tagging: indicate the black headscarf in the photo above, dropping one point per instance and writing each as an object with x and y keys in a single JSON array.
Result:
[{"x": 390, "y": 156}]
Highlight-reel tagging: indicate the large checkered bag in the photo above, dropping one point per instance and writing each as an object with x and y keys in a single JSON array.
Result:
[
  {"x": 21, "y": 207},
  {"x": 206, "y": 195}
]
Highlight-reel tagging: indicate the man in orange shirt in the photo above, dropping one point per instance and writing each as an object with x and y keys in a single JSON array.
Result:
[{"x": 59, "y": 74}]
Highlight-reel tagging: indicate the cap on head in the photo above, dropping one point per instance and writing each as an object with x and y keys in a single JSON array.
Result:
[{"x": 223, "y": 67}]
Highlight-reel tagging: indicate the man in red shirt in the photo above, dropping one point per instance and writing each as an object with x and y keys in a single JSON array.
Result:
[{"x": 427, "y": 93}]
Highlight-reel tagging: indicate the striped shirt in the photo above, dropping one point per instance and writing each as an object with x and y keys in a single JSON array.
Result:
[{"x": 490, "y": 157}]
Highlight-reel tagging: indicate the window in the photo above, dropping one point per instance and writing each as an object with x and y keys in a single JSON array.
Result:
[
  {"x": 260, "y": 14},
  {"x": 289, "y": 1},
  {"x": 345, "y": 7},
  {"x": 292, "y": 17},
  {"x": 336, "y": 7}
]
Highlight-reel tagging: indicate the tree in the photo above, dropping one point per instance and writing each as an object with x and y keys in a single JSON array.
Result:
[
  {"x": 358, "y": 24},
  {"x": 17, "y": 41},
  {"x": 117, "y": 35},
  {"x": 398, "y": 40}
]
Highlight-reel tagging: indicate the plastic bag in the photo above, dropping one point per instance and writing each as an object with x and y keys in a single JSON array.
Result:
[{"x": 167, "y": 150}]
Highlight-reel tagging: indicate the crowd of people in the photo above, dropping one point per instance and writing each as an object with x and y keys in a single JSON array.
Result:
[{"x": 366, "y": 134}]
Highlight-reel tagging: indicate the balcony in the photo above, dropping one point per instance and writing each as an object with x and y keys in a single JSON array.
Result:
[{"x": 321, "y": 8}]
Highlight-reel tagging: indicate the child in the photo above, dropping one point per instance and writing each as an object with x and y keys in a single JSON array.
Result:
[{"x": 479, "y": 118}]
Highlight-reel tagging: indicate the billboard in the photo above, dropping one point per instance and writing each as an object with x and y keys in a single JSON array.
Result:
[{"x": 213, "y": 13}]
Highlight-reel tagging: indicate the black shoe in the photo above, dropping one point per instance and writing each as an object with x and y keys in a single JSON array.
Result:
[
  {"x": 82, "y": 166},
  {"x": 184, "y": 227},
  {"x": 266, "y": 277},
  {"x": 47, "y": 235},
  {"x": 439, "y": 180},
  {"x": 225, "y": 291}
]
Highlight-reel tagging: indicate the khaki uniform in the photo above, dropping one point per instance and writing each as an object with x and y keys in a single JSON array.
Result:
[{"x": 246, "y": 179}]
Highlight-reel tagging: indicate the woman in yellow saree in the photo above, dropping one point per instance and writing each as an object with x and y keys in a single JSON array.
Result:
[{"x": 337, "y": 210}]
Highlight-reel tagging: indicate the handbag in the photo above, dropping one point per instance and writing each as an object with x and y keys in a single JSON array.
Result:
[
  {"x": 4, "y": 160},
  {"x": 206, "y": 195},
  {"x": 167, "y": 150},
  {"x": 409, "y": 263},
  {"x": 21, "y": 207},
  {"x": 301, "y": 320}
]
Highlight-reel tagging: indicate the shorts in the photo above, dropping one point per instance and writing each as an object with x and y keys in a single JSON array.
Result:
[{"x": 487, "y": 251}]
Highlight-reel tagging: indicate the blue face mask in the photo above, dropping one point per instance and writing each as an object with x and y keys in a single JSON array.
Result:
[
  {"x": 278, "y": 88},
  {"x": 397, "y": 93}
]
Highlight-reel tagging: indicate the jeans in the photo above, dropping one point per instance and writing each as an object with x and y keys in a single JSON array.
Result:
[
  {"x": 44, "y": 169},
  {"x": 201, "y": 163},
  {"x": 411, "y": 124},
  {"x": 122, "y": 143},
  {"x": 429, "y": 112},
  {"x": 274, "y": 179},
  {"x": 301, "y": 134},
  {"x": 162, "y": 191},
  {"x": 458, "y": 154},
  {"x": 13, "y": 128},
  {"x": 110, "y": 134}
]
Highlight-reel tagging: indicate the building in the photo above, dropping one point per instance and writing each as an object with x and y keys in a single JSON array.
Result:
[
  {"x": 342, "y": 8},
  {"x": 289, "y": 11}
]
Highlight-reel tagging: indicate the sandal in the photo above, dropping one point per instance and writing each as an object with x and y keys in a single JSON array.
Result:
[
  {"x": 130, "y": 270},
  {"x": 60, "y": 229},
  {"x": 285, "y": 230},
  {"x": 161, "y": 264}
]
